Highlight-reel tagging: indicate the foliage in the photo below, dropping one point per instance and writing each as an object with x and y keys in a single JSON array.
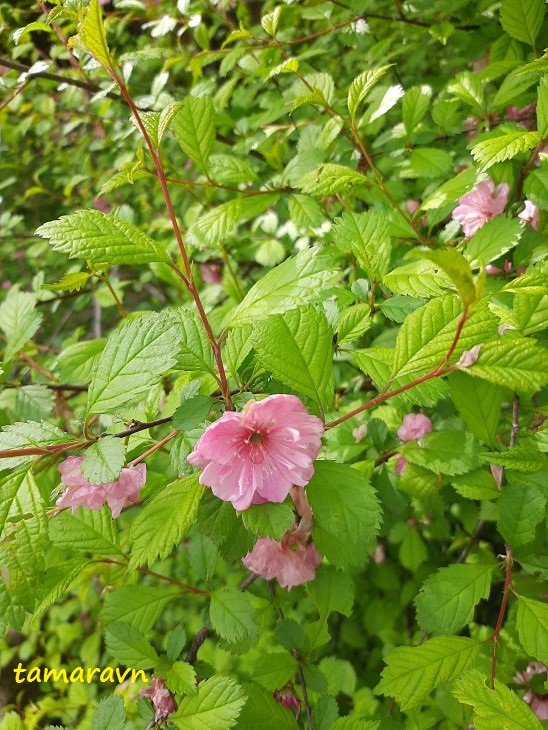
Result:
[{"x": 208, "y": 203}]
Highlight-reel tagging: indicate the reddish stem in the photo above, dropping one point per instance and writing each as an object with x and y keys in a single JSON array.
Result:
[{"x": 495, "y": 635}]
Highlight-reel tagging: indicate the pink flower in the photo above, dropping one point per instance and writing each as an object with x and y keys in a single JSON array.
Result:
[
  {"x": 289, "y": 699},
  {"x": 483, "y": 203},
  {"x": 401, "y": 463},
  {"x": 530, "y": 214},
  {"x": 414, "y": 426},
  {"x": 290, "y": 565},
  {"x": 163, "y": 702},
  {"x": 359, "y": 433},
  {"x": 538, "y": 703},
  {"x": 80, "y": 493},
  {"x": 257, "y": 455}
]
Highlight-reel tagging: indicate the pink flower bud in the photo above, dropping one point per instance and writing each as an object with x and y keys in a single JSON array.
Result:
[
  {"x": 414, "y": 426},
  {"x": 163, "y": 702}
]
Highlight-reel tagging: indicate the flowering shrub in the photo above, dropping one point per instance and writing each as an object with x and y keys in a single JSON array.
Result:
[{"x": 273, "y": 324}]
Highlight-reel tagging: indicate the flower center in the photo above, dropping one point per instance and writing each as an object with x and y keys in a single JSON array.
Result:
[{"x": 256, "y": 438}]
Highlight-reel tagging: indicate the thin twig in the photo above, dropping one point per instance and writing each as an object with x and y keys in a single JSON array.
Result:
[{"x": 495, "y": 635}]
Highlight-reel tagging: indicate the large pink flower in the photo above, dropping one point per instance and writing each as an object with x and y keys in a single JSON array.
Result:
[
  {"x": 291, "y": 566},
  {"x": 257, "y": 455},
  {"x": 80, "y": 493},
  {"x": 483, "y": 203}
]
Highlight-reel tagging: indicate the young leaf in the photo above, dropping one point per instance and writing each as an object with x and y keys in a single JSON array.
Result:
[
  {"x": 414, "y": 106},
  {"x": 367, "y": 235},
  {"x": 88, "y": 531},
  {"x": 522, "y": 20},
  {"x": 493, "y": 239},
  {"x": 297, "y": 281},
  {"x": 101, "y": 239},
  {"x": 139, "y": 606},
  {"x": 447, "y": 599},
  {"x": 194, "y": 128},
  {"x": 19, "y": 321},
  {"x": 164, "y": 521},
  {"x": 136, "y": 356},
  {"x": 216, "y": 706},
  {"x": 103, "y": 461},
  {"x": 78, "y": 362},
  {"x": 451, "y": 190},
  {"x": 478, "y": 403},
  {"x": 232, "y": 615},
  {"x": 329, "y": 179},
  {"x": 493, "y": 708},
  {"x": 412, "y": 673},
  {"x": 353, "y": 322},
  {"x": 362, "y": 85},
  {"x": 129, "y": 646},
  {"x": 521, "y": 508},
  {"x": 532, "y": 625},
  {"x": 91, "y": 35},
  {"x": 419, "y": 278},
  {"x": 504, "y": 147},
  {"x": 514, "y": 363},
  {"x": 296, "y": 348},
  {"x": 236, "y": 347},
  {"x": 458, "y": 270}
]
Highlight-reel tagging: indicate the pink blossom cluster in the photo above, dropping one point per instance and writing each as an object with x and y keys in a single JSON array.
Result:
[
  {"x": 479, "y": 206},
  {"x": 161, "y": 697},
  {"x": 291, "y": 565},
  {"x": 257, "y": 455},
  {"x": 414, "y": 426},
  {"x": 537, "y": 703},
  {"x": 80, "y": 493}
]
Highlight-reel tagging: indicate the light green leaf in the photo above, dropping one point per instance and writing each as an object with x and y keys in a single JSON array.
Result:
[
  {"x": 531, "y": 312},
  {"x": 139, "y": 606},
  {"x": 536, "y": 186},
  {"x": 412, "y": 673},
  {"x": 215, "y": 707},
  {"x": 129, "y": 646},
  {"x": 414, "y": 106},
  {"x": 532, "y": 626},
  {"x": 135, "y": 357},
  {"x": 69, "y": 282},
  {"x": 428, "y": 162},
  {"x": 494, "y": 709},
  {"x": 163, "y": 522},
  {"x": 230, "y": 170},
  {"x": 362, "y": 85},
  {"x": 470, "y": 89},
  {"x": 236, "y": 347},
  {"x": 447, "y": 599},
  {"x": 522, "y": 19},
  {"x": 297, "y": 281},
  {"x": 504, "y": 147},
  {"x": 514, "y": 363},
  {"x": 262, "y": 711},
  {"x": 526, "y": 458},
  {"x": 451, "y": 190},
  {"x": 19, "y": 321},
  {"x": 232, "y": 615},
  {"x": 478, "y": 484},
  {"x": 535, "y": 284},
  {"x": 19, "y": 495},
  {"x": 305, "y": 212},
  {"x": 270, "y": 20},
  {"x": 110, "y": 713},
  {"x": 78, "y": 362},
  {"x": 194, "y": 351},
  {"x": 478, "y": 403},
  {"x": 89, "y": 531},
  {"x": 420, "y": 279},
  {"x": 103, "y": 461},
  {"x": 367, "y": 236},
  {"x": 29, "y": 434},
  {"x": 353, "y": 322},
  {"x": 275, "y": 669},
  {"x": 91, "y": 35},
  {"x": 329, "y": 179},
  {"x": 180, "y": 677},
  {"x": 101, "y": 239},
  {"x": 449, "y": 452},
  {"x": 194, "y": 128},
  {"x": 332, "y": 590},
  {"x": 269, "y": 520},
  {"x": 296, "y": 347},
  {"x": 521, "y": 508},
  {"x": 542, "y": 107},
  {"x": 457, "y": 269},
  {"x": 192, "y": 412},
  {"x": 495, "y": 238}
]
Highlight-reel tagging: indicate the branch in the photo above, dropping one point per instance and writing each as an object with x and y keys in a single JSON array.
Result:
[{"x": 495, "y": 635}]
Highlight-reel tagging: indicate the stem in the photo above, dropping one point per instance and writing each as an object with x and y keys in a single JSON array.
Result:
[
  {"x": 121, "y": 311},
  {"x": 137, "y": 426},
  {"x": 495, "y": 635},
  {"x": 44, "y": 450},
  {"x": 153, "y": 448},
  {"x": 159, "y": 576}
]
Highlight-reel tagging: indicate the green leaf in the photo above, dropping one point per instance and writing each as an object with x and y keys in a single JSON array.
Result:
[
  {"x": 101, "y": 239},
  {"x": 447, "y": 599},
  {"x": 180, "y": 677},
  {"x": 89, "y": 531},
  {"x": 215, "y": 707},
  {"x": 194, "y": 352},
  {"x": 362, "y": 85},
  {"x": 332, "y": 590},
  {"x": 305, "y": 212},
  {"x": 504, "y": 147},
  {"x": 70, "y": 282},
  {"x": 192, "y": 412},
  {"x": 449, "y": 452},
  {"x": 346, "y": 513},
  {"x": 420, "y": 279},
  {"x": 270, "y": 21},
  {"x": 103, "y": 461},
  {"x": 521, "y": 508},
  {"x": 412, "y": 673},
  {"x": 262, "y": 710},
  {"x": 135, "y": 357},
  {"x": 232, "y": 615},
  {"x": 19, "y": 495},
  {"x": 367, "y": 236},
  {"x": 451, "y": 190},
  {"x": 536, "y": 186},
  {"x": 493, "y": 708},
  {"x": 129, "y": 646},
  {"x": 514, "y": 363},
  {"x": 109, "y": 713},
  {"x": 163, "y": 522},
  {"x": 236, "y": 347},
  {"x": 275, "y": 669},
  {"x": 414, "y": 106},
  {"x": 19, "y": 321},
  {"x": 230, "y": 170},
  {"x": 457, "y": 268},
  {"x": 296, "y": 347},
  {"x": 299, "y": 280},
  {"x": 522, "y": 19},
  {"x": 91, "y": 35},
  {"x": 29, "y": 435},
  {"x": 78, "y": 362},
  {"x": 534, "y": 284},
  {"x": 478, "y": 484},
  {"x": 524, "y": 457},
  {"x": 269, "y": 520},
  {"x": 202, "y": 556},
  {"x": 532, "y": 626},
  {"x": 139, "y": 606},
  {"x": 329, "y": 179},
  {"x": 478, "y": 403},
  {"x": 531, "y": 313},
  {"x": 428, "y": 162},
  {"x": 495, "y": 238},
  {"x": 470, "y": 89},
  {"x": 542, "y": 107},
  {"x": 194, "y": 128},
  {"x": 353, "y": 322}
]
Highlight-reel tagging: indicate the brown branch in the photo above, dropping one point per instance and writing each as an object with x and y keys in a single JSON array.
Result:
[{"x": 494, "y": 639}]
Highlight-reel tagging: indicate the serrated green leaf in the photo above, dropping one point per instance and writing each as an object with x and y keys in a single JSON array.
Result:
[
  {"x": 521, "y": 508},
  {"x": 534, "y": 284},
  {"x": 180, "y": 677},
  {"x": 78, "y": 362},
  {"x": 236, "y": 347},
  {"x": 457, "y": 268},
  {"x": 103, "y": 460},
  {"x": 447, "y": 599},
  {"x": 504, "y": 147},
  {"x": 135, "y": 357},
  {"x": 164, "y": 521},
  {"x": 29, "y": 435},
  {"x": 262, "y": 710},
  {"x": 470, "y": 89},
  {"x": 215, "y": 707},
  {"x": 232, "y": 615},
  {"x": 19, "y": 321},
  {"x": 192, "y": 412},
  {"x": 275, "y": 669},
  {"x": 101, "y": 239},
  {"x": 129, "y": 646},
  {"x": 353, "y": 322},
  {"x": 367, "y": 236},
  {"x": 91, "y": 35},
  {"x": 329, "y": 179},
  {"x": 297, "y": 281},
  {"x": 494, "y": 709},
  {"x": 229, "y": 170},
  {"x": 305, "y": 212},
  {"x": 479, "y": 404},
  {"x": 139, "y": 606},
  {"x": 86, "y": 530},
  {"x": 346, "y": 513},
  {"x": 451, "y": 190},
  {"x": 449, "y": 452},
  {"x": 362, "y": 85},
  {"x": 542, "y": 107},
  {"x": 531, "y": 312},
  {"x": 427, "y": 162},
  {"x": 194, "y": 128},
  {"x": 202, "y": 556},
  {"x": 332, "y": 590},
  {"x": 478, "y": 484},
  {"x": 524, "y": 458},
  {"x": 412, "y": 673},
  {"x": 194, "y": 349},
  {"x": 69, "y": 282},
  {"x": 414, "y": 106},
  {"x": 419, "y": 482},
  {"x": 270, "y": 20},
  {"x": 532, "y": 626},
  {"x": 522, "y": 20},
  {"x": 296, "y": 348},
  {"x": 419, "y": 278},
  {"x": 514, "y": 363},
  {"x": 54, "y": 583},
  {"x": 536, "y": 186},
  {"x": 269, "y": 520},
  {"x": 110, "y": 713},
  {"x": 495, "y": 238}
]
